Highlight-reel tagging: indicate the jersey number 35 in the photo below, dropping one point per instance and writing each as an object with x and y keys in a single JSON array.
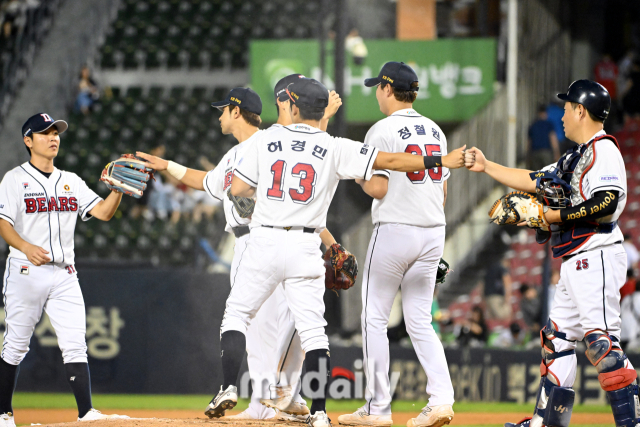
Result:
[{"x": 420, "y": 177}]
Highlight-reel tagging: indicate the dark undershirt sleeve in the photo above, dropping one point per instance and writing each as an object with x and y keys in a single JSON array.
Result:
[{"x": 603, "y": 203}]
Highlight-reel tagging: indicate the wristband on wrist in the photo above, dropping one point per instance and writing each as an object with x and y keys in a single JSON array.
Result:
[
  {"x": 431, "y": 162},
  {"x": 176, "y": 170}
]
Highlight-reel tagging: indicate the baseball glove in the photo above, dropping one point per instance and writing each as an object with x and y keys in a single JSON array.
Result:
[
  {"x": 443, "y": 271},
  {"x": 244, "y": 205},
  {"x": 342, "y": 268},
  {"x": 127, "y": 175},
  {"x": 517, "y": 207}
]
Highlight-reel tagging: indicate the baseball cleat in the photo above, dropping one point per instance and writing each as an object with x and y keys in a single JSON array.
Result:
[
  {"x": 525, "y": 422},
  {"x": 225, "y": 399},
  {"x": 284, "y": 402},
  {"x": 432, "y": 416},
  {"x": 319, "y": 419},
  {"x": 6, "y": 420},
  {"x": 282, "y": 416},
  {"x": 362, "y": 418},
  {"x": 94, "y": 415}
]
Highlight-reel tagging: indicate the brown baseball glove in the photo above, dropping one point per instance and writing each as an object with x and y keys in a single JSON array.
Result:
[{"x": 342, "y": 268}]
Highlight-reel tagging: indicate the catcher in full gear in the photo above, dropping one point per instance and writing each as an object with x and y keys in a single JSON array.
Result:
[{"x": 576, "y": 203}]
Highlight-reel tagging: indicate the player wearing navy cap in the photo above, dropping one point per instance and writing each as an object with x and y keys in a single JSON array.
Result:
[
  {"x": 240, "y": 117},
  {"x": 584, "y": 194},
  {"x": 39, "y": 206},
  {"x": 404, "y": 252},
  {"x": 294, "y": 172}
]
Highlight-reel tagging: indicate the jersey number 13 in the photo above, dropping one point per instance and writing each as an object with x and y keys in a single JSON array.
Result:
[
  {"x": 306, "y": 189},
  {"x": 420, "y": 177}
]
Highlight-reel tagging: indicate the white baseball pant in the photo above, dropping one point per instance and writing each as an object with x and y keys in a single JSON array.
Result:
[
  {"x": 586, "y": 298},
  {"x": 275, "y": 256},
  {"x": 402, "y": 257},
  {"x": 53, "y": 288}
]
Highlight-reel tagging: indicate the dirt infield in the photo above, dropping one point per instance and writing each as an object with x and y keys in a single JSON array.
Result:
[{"x": 154, "y": 418}]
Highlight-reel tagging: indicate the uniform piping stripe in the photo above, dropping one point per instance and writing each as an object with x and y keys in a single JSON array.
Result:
[
  {"x": 88, "y": 206},
  {"x": 240, "y": 262},
  {"x": 246, "y": 177},
  {"x": 55, "y": 189},
  {"x": 9, "y": 218},
  {"x": 604, "y": 312},
  {"x": 206, "y": 184},
  {"x": 53, "y": 256},
  {"x": 286, "y": 354},
  {"x": 298, "y": 131},
  {"x": 366, "y": 341},
  {"x": 4, "y": 292},
  {"x": 374, "y": 151}
]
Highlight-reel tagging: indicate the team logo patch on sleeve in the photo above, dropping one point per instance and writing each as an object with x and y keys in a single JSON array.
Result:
[
  {"x": 609, "y": 178},
  {"x": 24, "y": 269}
]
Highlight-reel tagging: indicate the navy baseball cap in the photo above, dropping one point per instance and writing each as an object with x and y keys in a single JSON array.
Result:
[
  {"x": 244, "y": 98},
  {"x": 280, "y": 91},
  {"x": 41, "y": 122},
  {"x": 308, "y": 93},
  {"x": 397, "y": 74}
]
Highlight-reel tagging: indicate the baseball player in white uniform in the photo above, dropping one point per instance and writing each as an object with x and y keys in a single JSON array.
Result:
[
  {"x": 39, "y": 206},
  {"x": 404, "y": 252},
  {"x": 589, "y": 183},
  {"x": 293, "y": 172},
  {"x": 265, "y": 354}
]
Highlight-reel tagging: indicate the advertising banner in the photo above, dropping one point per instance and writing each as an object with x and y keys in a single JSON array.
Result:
[{"x": 456, "y": 76}]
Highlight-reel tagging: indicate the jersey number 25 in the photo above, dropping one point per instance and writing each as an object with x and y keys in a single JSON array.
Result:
[
  {"x": 420, "y": 177},
  {"x": 305, "y": 191}
]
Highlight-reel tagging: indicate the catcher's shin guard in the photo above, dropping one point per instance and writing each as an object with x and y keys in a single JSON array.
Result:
[
  {"x": 559, "y": 407},
  {"x": 616, "y": 378},
  {"x": 624, "y": 405}
]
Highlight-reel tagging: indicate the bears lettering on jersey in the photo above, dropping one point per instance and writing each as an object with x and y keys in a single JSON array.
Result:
[{"x": 40, "y": 204}]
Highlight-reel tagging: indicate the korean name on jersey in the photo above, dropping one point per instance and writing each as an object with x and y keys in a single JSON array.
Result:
[
  {"x": 296, "y": 170},
  {"x": 43, "y": 211},
  {"x": 414, "y": 198}
]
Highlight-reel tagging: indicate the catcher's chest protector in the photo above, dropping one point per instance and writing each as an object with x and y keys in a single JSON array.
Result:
[{"x": 574, "y": 165}]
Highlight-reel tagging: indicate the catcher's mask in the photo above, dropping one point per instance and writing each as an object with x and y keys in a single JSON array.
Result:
[{"x": 551, "y": 190}]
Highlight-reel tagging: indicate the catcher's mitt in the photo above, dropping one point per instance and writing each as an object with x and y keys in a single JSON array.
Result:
[
  {"x": 517, "y": 207},
  {"x": 443, "y": 271},
  {"x": 244, "y": 205},
  {"x": 127, "y": 175},
  {"x": 342, "y": 268}
]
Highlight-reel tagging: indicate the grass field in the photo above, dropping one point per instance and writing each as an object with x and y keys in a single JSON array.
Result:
[{"x": 123, "y": 402}]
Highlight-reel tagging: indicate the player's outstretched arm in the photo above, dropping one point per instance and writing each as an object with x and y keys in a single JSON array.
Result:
[
  {"x": 35, "y": 254},
  {"x": 239, "y": 188},
  {"x": 405, "y": 162},
  {"x": 517, "y": 179},
  {"x": 376, "y": 187},
  {"x": 334, "y": 104},
  {"x": 191, "y": 178},
  {"x": 106, "y": 208}
]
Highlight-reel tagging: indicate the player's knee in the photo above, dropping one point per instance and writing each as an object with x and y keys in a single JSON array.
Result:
[
  {"x": 14, "y": 356},
  {"x": 609, "y": 360}
]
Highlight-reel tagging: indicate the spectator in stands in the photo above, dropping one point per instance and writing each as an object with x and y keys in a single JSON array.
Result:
[
  {"x": 630, "y": 321},
  {"x": 473, "y": 332},
  {"x": 624, "y": 69},
  {"x": 88, "y": 91},
  {"x": 632, "y": 253},
  {"x": 631, "y": 99},
  {"x": 543, "y": 143},
  {"x": 606, "y": 73},
  {"x": 497, "y": 290},
  {"x": 629, "y": 286},
  {"x": 514, "y": 336},
  {"x": 159, "y": 203},
  {"x": 205, "y": 206},
  {"x": 530, "y": 307},
  {"x": 555, "y": 111}
]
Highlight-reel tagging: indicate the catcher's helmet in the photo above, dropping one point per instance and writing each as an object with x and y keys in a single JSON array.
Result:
[{"x": 592, "y": 95}]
